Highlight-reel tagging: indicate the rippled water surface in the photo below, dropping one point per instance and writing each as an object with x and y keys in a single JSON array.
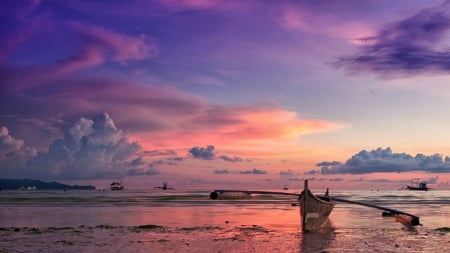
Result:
[{"x": 264, "y": 222}]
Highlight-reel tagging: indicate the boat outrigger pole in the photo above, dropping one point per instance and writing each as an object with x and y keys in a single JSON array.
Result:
[{"x": 400, "y": 216}]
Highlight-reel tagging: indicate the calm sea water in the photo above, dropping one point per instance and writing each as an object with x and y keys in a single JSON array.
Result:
[
  {"x": 180, "y": 209},
  {"x": 187, "y": 208}
]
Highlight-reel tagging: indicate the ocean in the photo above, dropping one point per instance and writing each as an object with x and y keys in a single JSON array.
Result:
[{"x": 189, "y": 221}]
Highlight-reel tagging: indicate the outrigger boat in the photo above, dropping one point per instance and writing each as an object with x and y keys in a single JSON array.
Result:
[
  {"x": 315, "y": 209},
  {"x": 417, "y": 185},
  {"x": 164, "y": 187},
  {"x": 116, "y": 186}
]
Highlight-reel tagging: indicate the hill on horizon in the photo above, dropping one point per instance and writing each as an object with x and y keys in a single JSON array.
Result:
[{"x": 15, "y": 184}]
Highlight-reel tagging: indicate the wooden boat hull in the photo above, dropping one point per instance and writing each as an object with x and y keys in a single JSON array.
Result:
[
  {"x": 313, "y": 211},
  {"x": 412, "y": 188}
]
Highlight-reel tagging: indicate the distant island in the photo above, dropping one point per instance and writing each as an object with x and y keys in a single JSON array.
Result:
[{"x": 15, "y": 184}]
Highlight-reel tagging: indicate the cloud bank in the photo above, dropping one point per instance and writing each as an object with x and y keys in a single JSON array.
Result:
[
  {"x": 384, "y": 160},
  {"x": 92, "y": 148},
  {"x": 416, "y": 45}
]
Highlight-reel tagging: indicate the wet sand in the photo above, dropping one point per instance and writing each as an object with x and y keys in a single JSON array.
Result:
[
  {"x": 190, "y": 222},
  {"x": 154, "y": 238}
]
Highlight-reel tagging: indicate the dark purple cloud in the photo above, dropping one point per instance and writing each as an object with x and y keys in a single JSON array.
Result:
[
  {"x": 412, "y": 46},
  {"x": 384, "y": 160},
  {"x": 231, "y": 159},
  {"x": 164, "y": 152},
  {"x": 253, "y": 171},
  {"x": 206, "y": 153},
  {"x": 223, "y": 171},
  {"x": 287, "y": 172},
  {"x": 142, "y": 172}
]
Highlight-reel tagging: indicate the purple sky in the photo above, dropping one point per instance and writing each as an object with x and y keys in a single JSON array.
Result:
[{"x": 206, "y": 93}]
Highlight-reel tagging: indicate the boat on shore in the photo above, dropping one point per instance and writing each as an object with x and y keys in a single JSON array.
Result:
[
  {"x": 417, "y": 185},
  {"x": 314, "y": 211},
  {"x": 116, "y": 186}
]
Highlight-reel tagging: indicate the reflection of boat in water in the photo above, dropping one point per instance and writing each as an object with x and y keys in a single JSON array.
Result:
[
  {"x": 320, "y": 240},
  {"x": 314, "y": 211},
  {"x": 164, "y": 187},
  {"x": 116, "y": 186},
  {"x": 417, "y": 185}
]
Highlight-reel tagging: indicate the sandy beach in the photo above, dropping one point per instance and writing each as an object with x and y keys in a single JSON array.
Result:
[{"x": 153, "y": 238}]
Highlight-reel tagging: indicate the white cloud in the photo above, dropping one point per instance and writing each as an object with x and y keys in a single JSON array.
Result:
[
  {"x": 90, "y": 149},
  {"x": 8, "y": 145}
]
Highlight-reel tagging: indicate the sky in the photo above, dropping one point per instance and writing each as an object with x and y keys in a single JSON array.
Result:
[{"x": 256, "y": 94}]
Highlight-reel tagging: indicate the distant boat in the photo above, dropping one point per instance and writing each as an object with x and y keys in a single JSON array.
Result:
[
  {"x": 313, "y": 210},
  {"x": 286, "y": 188},
  {"x": 31, "y": 187},
  {"x": 417, "y": 185},
  {"x": 164, "y": 187},
  {"x": 116, "y": 186}
]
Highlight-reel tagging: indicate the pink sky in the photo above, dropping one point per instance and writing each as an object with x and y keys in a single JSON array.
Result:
[{"x": 355, "y": 91}]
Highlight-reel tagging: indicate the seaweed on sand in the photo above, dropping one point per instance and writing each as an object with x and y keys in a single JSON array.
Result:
[
  {"x": 148, "y": 227},
  {"x": 201, "y": 228},
  {"x": 105, "y": 226},
  {"x": 443, "y": 229},
  {"x": 254, "y": 228}
]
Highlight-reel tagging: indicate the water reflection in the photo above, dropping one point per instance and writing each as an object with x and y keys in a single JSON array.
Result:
[{"x": 318, "y": 241}]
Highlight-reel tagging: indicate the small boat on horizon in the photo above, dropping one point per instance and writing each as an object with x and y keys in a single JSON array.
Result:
[
  {"x": 164, "y": 187},
  {"x": 116, "y": 186},
  {"x": 417, "y": 185},
  {"x": 31, "y": 187}
]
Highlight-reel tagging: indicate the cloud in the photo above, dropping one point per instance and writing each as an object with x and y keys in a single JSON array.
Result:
[
  {"x": 311, "y": 172},
  {"x": 253, "y": 171},
  {"x": 155, "y": 152},
  {"x": 203, "y": 153},
  {"x": 92, "y": 148},
  {"x": 188, "y": 5},
  {"x": 432, "y": 180},
  {"x": 384, "y": 160},
  {"x": 100, "y": 43},
  {"x": 287, "y": 172},
  {"x": 223, "y": 171},
  {"x": 141, "y": 172},
  {"x": 208, "y": 153},
  {"x": 26, "y": 22},
  {"x": 231, "y": 159},
  {"x": 13, "y": 154},
  {"x": 8, "y": 145},
  {"x": 416, "y": 45}
]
